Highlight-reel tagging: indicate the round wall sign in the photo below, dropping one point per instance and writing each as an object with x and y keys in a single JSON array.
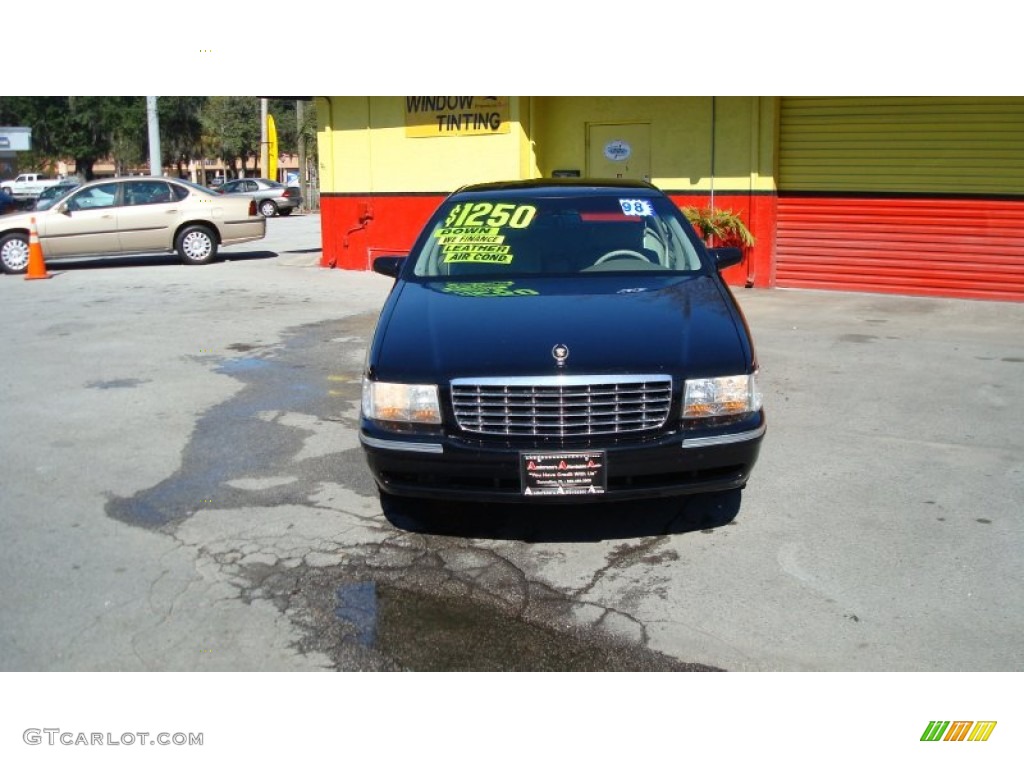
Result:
[{"x": 618, "y": 150}]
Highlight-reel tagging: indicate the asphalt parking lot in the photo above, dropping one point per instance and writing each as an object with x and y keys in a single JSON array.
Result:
[{"x": 182, "y": 489}]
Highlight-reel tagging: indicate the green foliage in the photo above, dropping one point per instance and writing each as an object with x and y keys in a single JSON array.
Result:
[
  {"x": 231, "y": 129},
  {"x": 722, "y": 227},
  {"x": 88, "y": 128},
  {"x": 181, "y": 128},
  {"x": 84, "y": 128},
  {"x": 283, "y": 111},
  {"x": 129, "y": 135},
  {"x": 288, "y": 129},
  {"x": 64, "y": 126}
]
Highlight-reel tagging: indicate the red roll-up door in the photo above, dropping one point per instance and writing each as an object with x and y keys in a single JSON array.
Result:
[{"x": 918, "y": 196}]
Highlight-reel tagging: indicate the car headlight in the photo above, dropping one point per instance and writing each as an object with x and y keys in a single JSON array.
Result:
[
  {"x": 721, "y": 396},
  {"x": 411, "y": 403}
]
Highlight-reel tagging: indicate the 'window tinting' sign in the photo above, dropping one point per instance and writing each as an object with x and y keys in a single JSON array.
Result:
[{"x": 427, "y": 116}]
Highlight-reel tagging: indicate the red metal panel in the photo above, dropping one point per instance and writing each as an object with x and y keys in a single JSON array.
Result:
[
  {"x": 968, "y": 248},
  {"x": 355, "y": 228}
]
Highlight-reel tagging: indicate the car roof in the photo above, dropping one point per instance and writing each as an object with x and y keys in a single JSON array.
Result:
[
  {"x": 561, "y": 186},
  {"x": 110, "y": 179}
]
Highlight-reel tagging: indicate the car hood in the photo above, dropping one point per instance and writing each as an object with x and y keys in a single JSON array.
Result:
[
  {"x": 610, "y": 324},
  {"x": 18, "y": 220}
]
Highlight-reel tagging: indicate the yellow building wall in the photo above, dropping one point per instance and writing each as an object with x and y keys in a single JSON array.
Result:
[
  {"x": 364, "y": 149},
  {"x": 685, "y": 130}
]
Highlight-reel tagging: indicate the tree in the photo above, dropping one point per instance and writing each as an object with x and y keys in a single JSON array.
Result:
[
  {"x": 308, "y": 132},
  {"x": 24, "y": 111},
  {"x": 283, "y": 111},
  {"x": 231, "y": 129},
  {"x": 181, "y": 129},
  {"x": 129, "y": 137},
  {"x": 84, "y": 128}
]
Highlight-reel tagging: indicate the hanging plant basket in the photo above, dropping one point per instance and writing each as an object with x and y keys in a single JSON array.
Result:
[{"x": 719, "y": 227}]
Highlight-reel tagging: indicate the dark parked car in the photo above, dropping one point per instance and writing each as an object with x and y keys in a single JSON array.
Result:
[
  {"x": 7, "y": 203},
  {"x": 272, "y": 197},
  {"x": 565, "y": 339}
]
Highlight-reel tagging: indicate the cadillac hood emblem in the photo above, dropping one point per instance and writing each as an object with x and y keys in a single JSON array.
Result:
[{"x": 561, "y": 353}]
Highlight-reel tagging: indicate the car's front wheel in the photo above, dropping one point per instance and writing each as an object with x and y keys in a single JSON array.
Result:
[
  {"x": 14, "y": 254},
  {"x": 268, "y": 208},
  {"x": 196, "y": 244}
]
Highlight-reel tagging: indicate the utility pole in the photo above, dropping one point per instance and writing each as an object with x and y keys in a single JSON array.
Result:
[
  {"x": 156, "y": 165},
  {"x": 303, "y": 190},
  {"x": 264, "y": 139}
]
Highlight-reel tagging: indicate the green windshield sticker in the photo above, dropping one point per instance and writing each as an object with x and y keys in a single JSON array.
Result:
[
  {"x": 465, "y": 239},
  {"x": 490, "y": 215},
  {"x": 503, "y": 288},
  {"x": 473, "y": 233},
  {"x": 476, "y": 248},
  {"x": 477, "y": 253},
  {"x": 467, "y": 232}
]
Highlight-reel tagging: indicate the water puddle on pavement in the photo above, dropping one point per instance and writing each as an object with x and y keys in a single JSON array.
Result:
[{"x": 424, "y": 633}]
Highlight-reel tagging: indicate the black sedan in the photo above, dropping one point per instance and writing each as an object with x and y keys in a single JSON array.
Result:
[{"x": 560, "y": 340}]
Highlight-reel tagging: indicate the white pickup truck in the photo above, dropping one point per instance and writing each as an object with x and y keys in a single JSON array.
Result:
[{"x": 27, "y": 186}]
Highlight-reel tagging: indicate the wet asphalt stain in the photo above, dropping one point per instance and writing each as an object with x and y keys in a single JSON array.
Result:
[
  {"x": 243, "y": 438},
  {"x": 239, "y": 347},
  {"x": 428, "y": 597},
  {"x": 858, "y": 338},
  {"x": 366, "y": 617},
  {"x": 116, "y": 383}
]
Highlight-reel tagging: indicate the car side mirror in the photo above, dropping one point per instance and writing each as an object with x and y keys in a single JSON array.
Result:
[
  {"x": 390, "y": 266},
  {"x": 726, "y": 257},
  {"x": 63, "y": 208}
]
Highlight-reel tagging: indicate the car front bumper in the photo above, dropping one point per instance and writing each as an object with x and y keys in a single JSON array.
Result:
[{"x": 461, "y": 469}]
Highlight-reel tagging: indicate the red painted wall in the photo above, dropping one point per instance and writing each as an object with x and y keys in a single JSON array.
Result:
[{"x": 358, "y": 228}]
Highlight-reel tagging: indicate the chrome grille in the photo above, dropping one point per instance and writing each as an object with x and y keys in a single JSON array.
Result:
[{"x": 561, "y": 406}]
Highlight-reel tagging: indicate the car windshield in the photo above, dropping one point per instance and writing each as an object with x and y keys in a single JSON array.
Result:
[
  {"x": 52, "y": 195},
  {"x": 498, "y": 235}
]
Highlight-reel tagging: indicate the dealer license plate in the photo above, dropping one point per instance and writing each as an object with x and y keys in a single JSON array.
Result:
[{"x": 564, "y": 474}]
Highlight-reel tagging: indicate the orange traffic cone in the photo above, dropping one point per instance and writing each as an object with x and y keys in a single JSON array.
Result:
[{"x": 36, "y": 265}]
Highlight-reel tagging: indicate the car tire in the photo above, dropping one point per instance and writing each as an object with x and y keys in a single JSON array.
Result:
[
  {"x": 14, "y": 254},
  {"x": 8, "y": 191},
  {"x": 196, "y": 244},
  {"x": 268, "y": 208},
  {"x": 286, "y": 211}
]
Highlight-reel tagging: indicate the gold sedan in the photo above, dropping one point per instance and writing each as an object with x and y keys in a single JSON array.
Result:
[{"x": 132, "y": 215}]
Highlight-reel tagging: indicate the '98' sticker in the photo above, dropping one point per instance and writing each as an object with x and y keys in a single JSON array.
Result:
[{"x": 636, "y": 207}]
